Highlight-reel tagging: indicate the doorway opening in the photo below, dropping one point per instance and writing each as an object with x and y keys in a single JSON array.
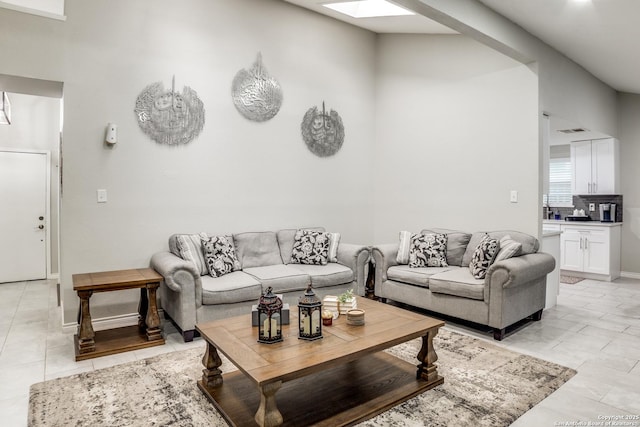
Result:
[{"x": 30, "y": 151}]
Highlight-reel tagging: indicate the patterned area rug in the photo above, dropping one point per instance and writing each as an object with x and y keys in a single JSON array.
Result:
[
  {"x": 485, "y": 385},
  {"x": 570, "y": 280}
]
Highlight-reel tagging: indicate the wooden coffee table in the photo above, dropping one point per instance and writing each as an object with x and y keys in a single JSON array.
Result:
[{"x": 342, "y": 379}]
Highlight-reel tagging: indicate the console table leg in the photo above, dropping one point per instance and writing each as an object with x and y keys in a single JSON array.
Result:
[
  {"x": 152, "y": 318},
  {"x": 268, "y": 414},
  {"x": 211, "y": 374},
  {"x": 143, "y": 307},
  {"x": 427, "y": 370},
  {"x": 86, "y": 343}
]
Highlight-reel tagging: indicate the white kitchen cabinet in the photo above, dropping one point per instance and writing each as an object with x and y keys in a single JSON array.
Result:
[
  {"x": 595, "y": 166},
  {"x": 591, "y": 250}
]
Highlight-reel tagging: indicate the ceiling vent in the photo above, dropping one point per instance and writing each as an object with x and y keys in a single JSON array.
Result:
[{"x": 575, "y": 130}]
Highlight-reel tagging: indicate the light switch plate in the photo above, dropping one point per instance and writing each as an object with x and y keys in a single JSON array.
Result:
[
  {"x": 102, "y": 196},
  {"x": 592, "y": 207},
  {"x": 513, "y": 198}
]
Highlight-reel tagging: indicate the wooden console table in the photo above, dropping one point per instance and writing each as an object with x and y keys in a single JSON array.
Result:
[{"x": 90, "y": 344}]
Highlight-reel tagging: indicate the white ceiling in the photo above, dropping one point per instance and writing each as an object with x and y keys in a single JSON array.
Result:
[{"x": 600, "y": 35}]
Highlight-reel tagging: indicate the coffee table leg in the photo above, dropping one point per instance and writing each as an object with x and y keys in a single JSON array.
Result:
[
  {"x": 427, "y": 370},
  {"x": 211, "y": 375},
  {"x": 86, "y": 343},
  {"x": 268, "y": 414}
]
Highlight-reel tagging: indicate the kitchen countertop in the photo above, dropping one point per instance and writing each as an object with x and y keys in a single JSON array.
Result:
[{"x": 582, "y": 223}]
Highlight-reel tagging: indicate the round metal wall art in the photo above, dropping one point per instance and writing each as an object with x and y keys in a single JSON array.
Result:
[
  {"x": 322, "y": 132},
  {"x": 169, "y": 117},
  {"x": 256, "y": 95}
]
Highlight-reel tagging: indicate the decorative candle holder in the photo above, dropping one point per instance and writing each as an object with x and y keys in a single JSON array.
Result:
[
  {"x": 355, "y": 317},
  {"x": 309, "y": 324},
  {"x": 269, "y": 318}
]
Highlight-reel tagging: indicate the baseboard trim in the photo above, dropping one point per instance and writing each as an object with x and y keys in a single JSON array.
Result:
[
  {"x": 630, "y": 275},
  {"x": 584, "y": 275},
  {"x": 112, "y": 322},
  {"x": 106, "y": 323}
]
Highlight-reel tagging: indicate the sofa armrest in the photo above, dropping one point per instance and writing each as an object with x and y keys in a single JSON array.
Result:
[
  {"x": 356, "y": 257},
  {"x": 169, "y": 266},
  {"x": 384, "y": 256},
  {"x": 518, "y": 271}
]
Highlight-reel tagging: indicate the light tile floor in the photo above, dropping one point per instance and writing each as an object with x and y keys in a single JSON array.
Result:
[{"x": 595, "y": 329}]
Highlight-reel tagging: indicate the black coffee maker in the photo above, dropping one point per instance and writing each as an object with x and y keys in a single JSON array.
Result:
[{"x": 607, "y": 212}]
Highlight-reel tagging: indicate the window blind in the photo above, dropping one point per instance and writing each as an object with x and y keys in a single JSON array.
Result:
[{"x": 560, "y": 182}]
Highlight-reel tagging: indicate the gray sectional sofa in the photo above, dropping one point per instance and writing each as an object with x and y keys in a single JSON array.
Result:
[
  {"x": 188, "y": 295},
  {"x": 512, "y": 290}
]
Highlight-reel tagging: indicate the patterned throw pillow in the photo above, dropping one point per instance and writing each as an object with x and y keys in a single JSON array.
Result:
[
  {"x": 428, "y": 250},
  {"x": 483, "y": 257},
  {"x": 310, "y": 247},
  {"x": 220, "y": 255}
]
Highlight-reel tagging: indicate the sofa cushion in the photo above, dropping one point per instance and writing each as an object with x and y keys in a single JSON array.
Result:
[
  {"x": 508, "y": 248},
  {"x": 230, "y": 288},
  {"x": 189, "y": 248},
  {"x": 310, "y": 247},
  {"x": 428, "y": 250},
  {"x": 530, "y": 244},
  {"x": 282, "y": 278},
  {"x": 220, "y": 255},
  {"x": 326, "y": 275},
  {"x": 257, "y": 249},
  {"x": 285, "y": 241},
  {"x": 415, "y": 276},
  {"x": 458, "y": 282},
  {"x": 404, "y": 246},
  {"x": 483, "y": 257},
  {"x": 457, "y": 242}
]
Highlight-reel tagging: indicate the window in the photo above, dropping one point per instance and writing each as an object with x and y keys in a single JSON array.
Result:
[{"x": 560, "y": 183}]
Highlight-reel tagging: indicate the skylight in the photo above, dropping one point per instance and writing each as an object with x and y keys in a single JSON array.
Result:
[{"x": 368, "y": 8}]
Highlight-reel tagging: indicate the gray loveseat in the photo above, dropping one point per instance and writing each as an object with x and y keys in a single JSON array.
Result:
[
  {"x": 512, "y": 290},
  {"x": 189, "y": 295}
]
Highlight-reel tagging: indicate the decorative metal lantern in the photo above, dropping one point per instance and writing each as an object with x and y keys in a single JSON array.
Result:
[
  {"x": 309, "y": 319},
  {"x": 269, "y": 318}
]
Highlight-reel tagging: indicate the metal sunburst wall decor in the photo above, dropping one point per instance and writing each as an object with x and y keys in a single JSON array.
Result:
[
  {"x": 169, "y": 117},
  {"x": 256, "y": 95},
  {"x": 322, "y": 132}
]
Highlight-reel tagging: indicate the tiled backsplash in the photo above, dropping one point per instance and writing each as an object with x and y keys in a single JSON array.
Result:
[{"x": 582, "y": 202}]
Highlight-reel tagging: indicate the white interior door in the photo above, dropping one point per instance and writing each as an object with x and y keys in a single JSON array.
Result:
[{"x": 23, "y": 202}]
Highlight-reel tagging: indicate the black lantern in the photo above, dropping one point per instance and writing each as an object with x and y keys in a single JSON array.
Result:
[
  {"x": 269, "y": 318},
  {"x": 309, "y": 321}
]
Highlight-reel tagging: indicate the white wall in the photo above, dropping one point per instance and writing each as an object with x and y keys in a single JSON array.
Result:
[
  {"x": 629, "y": 134},
  {"x": 237, "y": 175},
  {"x": 566, "y": 89},
  {"x": 456, "y": 130},
  {"x": 426, "y": 106},
  {"x": 35, "y": 125}
]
